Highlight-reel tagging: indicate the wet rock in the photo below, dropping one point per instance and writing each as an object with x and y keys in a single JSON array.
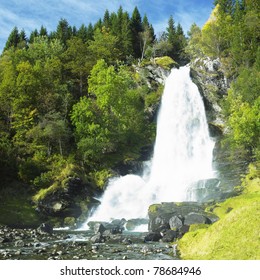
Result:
[
  {"x": 183, "y": 230},
  {"x": 204, "y": 190},
  {"x": 158, "y": 224},
  {"x": 99, "y": 228},
  {"x": 153, "y": 236},
  {"x": 97, "y": 238},
  {"x": 19, "y": 243},
  {"x": 175, "y": 222},
  {"x": 127, "y": 241},
  {"x": 45, "y": 228},
  {"x": 170, "y": 236}
]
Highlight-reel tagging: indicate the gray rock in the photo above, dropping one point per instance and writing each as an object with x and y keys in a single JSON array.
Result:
[
  {"x": 19, "y": 243},
  {"x": 99, "y": 228},
  {"x": 45, "y": 228},
  {"x": 97, "y": 238},
  {"x": 175, "y": 222},
  {"x": 170, "y": 236},
  {"x": 153, "y": 236},
  {"x": 195, "y": 218}
]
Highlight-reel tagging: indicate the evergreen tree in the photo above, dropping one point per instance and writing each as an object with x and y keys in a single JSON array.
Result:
[
  {"x": 90, "y": 32},
  {"x": 33, "y": 35},
  {"x": 172, "y": 38},
  {"x": 136, "y": 28},
  {"x": 13, "y": 39},
  {"x": 63, "y": 31},
  {"x": 22, "y": 39},
  {"x": 43, "y": 31},
  {"x": 106, "y": 19},
  {"x": 82, "y": 33}
]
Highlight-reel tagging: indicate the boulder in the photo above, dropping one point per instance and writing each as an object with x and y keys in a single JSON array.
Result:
[
  {"x": 176, "y": 222},
  {"x": 45, "y": 228},
  {"x": 153, "y": 236},
  {"x": 195, "y": 218},
  {"x": 170, "y": 235},
  {"x": 172, "y": 220},
  {"x": 158, "y": 224},
  {"x": 99, "y": 228},
  {"x": 97, "y": 238}
]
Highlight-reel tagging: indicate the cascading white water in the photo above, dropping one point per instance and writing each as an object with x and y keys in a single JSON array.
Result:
[{"x": 182, "y": 155}]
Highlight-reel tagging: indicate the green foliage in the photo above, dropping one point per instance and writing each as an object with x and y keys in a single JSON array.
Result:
[
  {"x": 242, "y": 107},
  {"x": 60, "y": 177},
  {"x": 104, "y": 46},
  {"x": 112, "y": 121},
  {"x": 101, "y": 177}
]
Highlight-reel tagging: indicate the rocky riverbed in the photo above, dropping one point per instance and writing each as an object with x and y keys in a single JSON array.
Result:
[
  {"x": 115, "y": 240},
  {"x": 35, "y": 244}
]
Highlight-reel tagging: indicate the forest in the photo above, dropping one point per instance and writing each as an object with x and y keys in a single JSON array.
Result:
[
  {"x": 72, "y": 104},
  {"x": 71, "y": 97}
]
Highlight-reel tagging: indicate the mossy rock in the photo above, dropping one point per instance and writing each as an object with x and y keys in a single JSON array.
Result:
[{"x": 166, "y": 62}]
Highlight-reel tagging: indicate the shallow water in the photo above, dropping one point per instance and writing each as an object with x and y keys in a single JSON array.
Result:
[{"x": 24, "y": 244}]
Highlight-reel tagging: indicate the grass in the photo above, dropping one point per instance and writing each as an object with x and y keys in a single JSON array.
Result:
[{"x": 236, "y": 236}]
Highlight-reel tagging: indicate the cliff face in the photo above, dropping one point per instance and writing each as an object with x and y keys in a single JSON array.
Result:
[{"x": 213, "y": 85}]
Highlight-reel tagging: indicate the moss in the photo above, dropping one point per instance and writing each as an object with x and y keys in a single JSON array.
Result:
[
  {"x": 166, "y": 62},
  {"x": 195, "y": 227},
  {"x": 236, "y": 235},
  {"x": 153, "y": 208}
]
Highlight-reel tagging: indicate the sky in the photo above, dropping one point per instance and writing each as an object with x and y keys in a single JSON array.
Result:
[{"x": 31, "y": 14}]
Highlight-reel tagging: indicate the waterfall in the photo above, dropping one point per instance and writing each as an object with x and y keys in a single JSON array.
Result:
[{"x": 182, "y": 155}]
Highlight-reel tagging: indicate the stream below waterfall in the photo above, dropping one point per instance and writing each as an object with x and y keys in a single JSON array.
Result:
[{"x": 28, "y": 244}]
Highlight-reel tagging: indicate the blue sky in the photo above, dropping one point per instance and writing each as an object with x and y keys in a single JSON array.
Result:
[{"x": 31, "y": 14}]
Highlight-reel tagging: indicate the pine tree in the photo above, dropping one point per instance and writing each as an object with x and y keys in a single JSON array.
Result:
[
  {"x": 63, "y": 31},
  {"x": 136, "y": 28},
  {"x": 106, "y": 19},
  {"x": 22, "y": 39},
  {"x": 33, "y": 35},
  {"x": 90, "y": 32},
  {"x": 13, "y": 39},
  {"x": 82, "y": 33},
  {"x": 43, "y": 31},
  {"x": 172, "y": 38}
]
